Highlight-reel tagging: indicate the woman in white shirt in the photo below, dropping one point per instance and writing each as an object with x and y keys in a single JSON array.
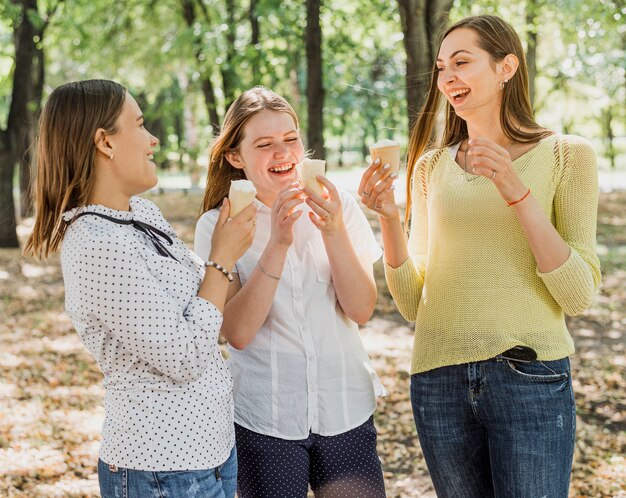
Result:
[
  {"x": 140, "y": 300},
  {"x": 304, "y": 388}
]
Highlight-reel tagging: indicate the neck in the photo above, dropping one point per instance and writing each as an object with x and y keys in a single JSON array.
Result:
[
  {"x": 109, "y": 195},
  {"x": 106, "y": 190},
  {"x": 493, "y": 133},
  {"x": 485, "y": 123}
]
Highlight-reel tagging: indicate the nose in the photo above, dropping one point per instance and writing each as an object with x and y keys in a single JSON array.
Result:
[
  {"x": 154, "y": 141},
  {"x": 280, "y": 150},
  {"x": 448, "y": 75}
]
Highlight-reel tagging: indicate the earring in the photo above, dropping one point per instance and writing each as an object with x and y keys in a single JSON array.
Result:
[
  {"x": 502, "y": 84},
  {"x": 111, "y": 157}
]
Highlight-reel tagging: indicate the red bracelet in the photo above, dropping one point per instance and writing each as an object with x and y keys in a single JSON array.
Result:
[{"x": 518, "y": 200}]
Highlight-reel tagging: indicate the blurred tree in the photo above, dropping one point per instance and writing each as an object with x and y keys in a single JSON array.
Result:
[
  {"x": 28, "y": 25},
  {"x": 422, "y": 22},
  {"x": 314, "y": 87}
]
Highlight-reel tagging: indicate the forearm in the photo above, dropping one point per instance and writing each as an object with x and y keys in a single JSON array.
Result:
[
  {"x": 215, "y": 283},
  {"x": 246, "y": 311},
  {"x": 354, "y": 283},
  {"x": 394, "y": 241},
  {"x": 547, "y": 245}
]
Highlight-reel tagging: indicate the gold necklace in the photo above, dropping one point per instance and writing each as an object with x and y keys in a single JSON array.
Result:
[{"x": 467, "y": 177}]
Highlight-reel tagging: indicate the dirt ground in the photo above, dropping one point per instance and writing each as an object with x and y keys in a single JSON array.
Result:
[{"x": 51, "y": 398}]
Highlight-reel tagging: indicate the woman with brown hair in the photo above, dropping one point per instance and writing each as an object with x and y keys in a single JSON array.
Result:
[
  {"x": 141, "y": 301},
  {"x": 501, "y": 217},
  {"x": 304, "y": 388}
]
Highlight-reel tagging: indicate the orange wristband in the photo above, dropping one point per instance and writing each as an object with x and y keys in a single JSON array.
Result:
[{"x": 518, "y": 200}]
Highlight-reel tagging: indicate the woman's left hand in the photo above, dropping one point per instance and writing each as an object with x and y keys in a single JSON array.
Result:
[
  {"x": 327, "y": 214},
  {"x": 488, "y": 159}
]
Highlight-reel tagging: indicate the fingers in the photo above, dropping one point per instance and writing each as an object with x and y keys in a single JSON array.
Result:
[
  {"x": 332, "y": 190},
  {"x": 487, "y": 158},
  {"x": 224, "y": 212},
  {"x": 287, "y": 208},
  {"x": 367, "y": 175},
  {"x": 321, "y": 211},
  {"x": 380, "y": 175}
]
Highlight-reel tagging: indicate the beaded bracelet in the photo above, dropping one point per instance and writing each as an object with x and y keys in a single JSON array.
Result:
[
  {"x": 217, "y": 266},
  {"x": 518, "y": 200}
]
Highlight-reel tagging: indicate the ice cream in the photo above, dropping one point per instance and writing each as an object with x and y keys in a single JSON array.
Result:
[
  {"x": 240, "y": 195},
  {"x": 307, "y": 170},
  {"x": 389, "y": 153}
]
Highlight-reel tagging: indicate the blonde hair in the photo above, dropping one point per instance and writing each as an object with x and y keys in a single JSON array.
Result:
[
  {"x": 66, "y": 154},
  {"x": 221, "y": 172},
  {"x": 498, "y": 39}
]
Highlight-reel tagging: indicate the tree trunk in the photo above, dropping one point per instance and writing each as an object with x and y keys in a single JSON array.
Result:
[
  {"x": 25, "y": 151},
  {"x": 254, "y": 41},
  {"x": 422, "y": 22},
  {"x": 189, "y": 15},
  {"x": 532, "y": 11},
  {"x": 13, "y": 140},
  {"x": 8, "y": 222},
  {"x": 227, "y": 69},
  {"x": 314, "y": 88}
]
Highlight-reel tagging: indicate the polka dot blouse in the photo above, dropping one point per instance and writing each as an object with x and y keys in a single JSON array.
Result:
[{"x": 168, "y": 401}]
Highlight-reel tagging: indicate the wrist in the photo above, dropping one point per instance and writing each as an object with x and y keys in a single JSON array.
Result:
[
  {"x": 389, "y": 219},
  {"x": 223, "y": 260},
  {"x": 277, "y": 246},
  {"x": 515, "y": 192}
]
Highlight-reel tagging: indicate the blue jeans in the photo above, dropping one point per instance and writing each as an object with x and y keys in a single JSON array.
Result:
[
  {"x": 497, "y": 428},
  {"x": 118, "y": 482}
]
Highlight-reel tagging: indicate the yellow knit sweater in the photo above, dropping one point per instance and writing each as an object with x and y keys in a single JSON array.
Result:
[{"x": 471, "y": 283}]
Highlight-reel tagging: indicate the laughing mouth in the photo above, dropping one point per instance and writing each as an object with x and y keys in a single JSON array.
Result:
[
  {"x": 458, "y": 94},
  {"x": 285, "y": 168}
]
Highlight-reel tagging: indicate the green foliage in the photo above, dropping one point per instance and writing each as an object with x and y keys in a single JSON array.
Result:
[{"x": 148, "y": 46}]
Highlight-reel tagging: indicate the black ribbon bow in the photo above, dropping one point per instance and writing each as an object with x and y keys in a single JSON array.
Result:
[{"x": 152, "y": 232}]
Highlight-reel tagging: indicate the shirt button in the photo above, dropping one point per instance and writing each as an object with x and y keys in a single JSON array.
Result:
[
  {"x": 311, "y": 389},
  {"x": 310, "y": 359}
]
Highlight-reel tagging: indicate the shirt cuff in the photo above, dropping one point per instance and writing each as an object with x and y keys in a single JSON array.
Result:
[
  {"x": 204, "y": 314},
  {"x": 571, "y": 284}
]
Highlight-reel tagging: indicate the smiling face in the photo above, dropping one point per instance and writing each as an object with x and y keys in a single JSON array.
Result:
[
  {"x": 268, "y": 153},
  {"x": 468, "y": 77},
  {"x": 132, "y": 147}
]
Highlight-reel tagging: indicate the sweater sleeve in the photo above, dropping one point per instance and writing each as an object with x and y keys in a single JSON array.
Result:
[
  {"x": 573, "y": 285},
  {"x": 407, "y": 281},
  {"x": 110, "y": 282}
]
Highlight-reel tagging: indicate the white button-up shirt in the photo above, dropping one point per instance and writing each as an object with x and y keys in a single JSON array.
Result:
[
  {"x": 168, "y": 401},
  {"x": 306, "y": 369}
]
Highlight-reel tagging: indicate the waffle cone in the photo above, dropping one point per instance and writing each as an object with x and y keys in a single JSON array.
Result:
[{"x": 389, "y": 154}]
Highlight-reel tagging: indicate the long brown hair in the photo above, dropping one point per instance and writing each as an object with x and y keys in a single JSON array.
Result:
[
  {"x": 498, "y": 39},
  {"x": 221, "y": 172},
  {"x": 66, "y": 154}
]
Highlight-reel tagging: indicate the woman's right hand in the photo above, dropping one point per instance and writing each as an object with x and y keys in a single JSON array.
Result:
[
  {"x": 376, "y": 189},
  {"x": 284, "y": 215},
  {"x": 232, "y": 238}
]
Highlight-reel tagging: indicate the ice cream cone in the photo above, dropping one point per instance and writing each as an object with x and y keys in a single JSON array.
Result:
[
  {"x": 308, "y": 169},
  {"x": 240, "y": 195},
  {"x": 388, "y": 151}
]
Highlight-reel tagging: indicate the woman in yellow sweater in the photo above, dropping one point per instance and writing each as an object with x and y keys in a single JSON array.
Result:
[{"x": 501, "y": 218}]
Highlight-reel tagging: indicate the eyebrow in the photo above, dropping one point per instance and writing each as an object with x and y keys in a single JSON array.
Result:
[
  {"x": 455, "y": 53},
  {"x": 269, "y": 137}
]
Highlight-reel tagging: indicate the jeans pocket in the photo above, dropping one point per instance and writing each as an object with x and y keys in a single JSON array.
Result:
[{"x": 540, "y": 371}]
